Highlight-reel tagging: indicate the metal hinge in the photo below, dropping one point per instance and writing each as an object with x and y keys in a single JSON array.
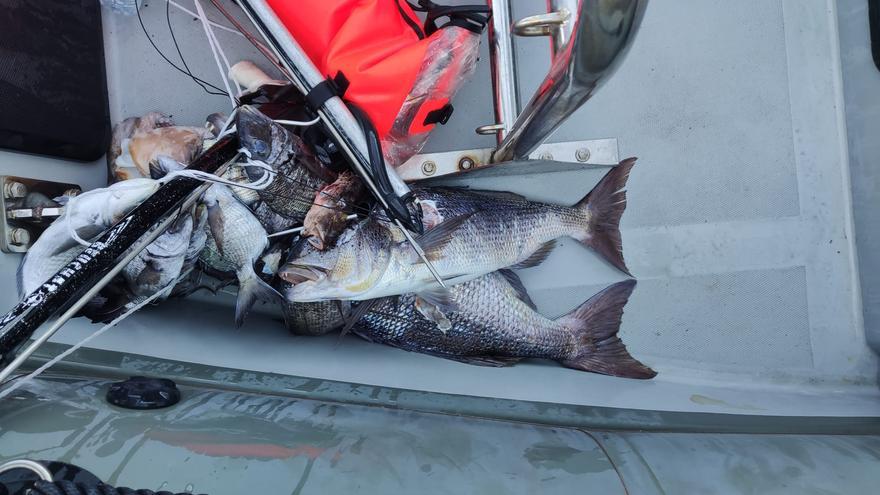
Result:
[{"x": 27, "y": 207}]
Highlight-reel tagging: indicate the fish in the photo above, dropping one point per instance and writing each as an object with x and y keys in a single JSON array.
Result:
[
  {"x": 181, "y": 143},
  {"x": 88, "y": 215},
  {"x": 299, "y": 173},
  {"x": 215, "y": 122},
  {"x": 327, "y": 217},
  {"x": 315, "y": 318},
  {"x": 496, "y": 324},
  {"x": 312, "y": 318},
  {"x": 125, "y": 130},
  {"x": 215, "y": 263},
  {"x": 273, "y": 222},
  {"x": 237, "y": 174},
  {"x": 474, "y": 233},
  {"x": 198, "y": 238},
  {"x": 160, "y": 263},
  {"x": 240, "y": 239}
]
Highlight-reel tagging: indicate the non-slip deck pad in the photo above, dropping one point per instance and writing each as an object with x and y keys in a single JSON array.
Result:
[{"x": 53, "y": 91}]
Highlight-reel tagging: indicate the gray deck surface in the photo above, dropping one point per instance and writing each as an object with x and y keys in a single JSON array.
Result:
[
  {"x": 232, "y": 443},
  {"x": 739, "y": 226}
]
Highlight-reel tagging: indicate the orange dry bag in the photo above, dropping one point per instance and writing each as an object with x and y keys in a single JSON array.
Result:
[{"x": 400, "y": 73}]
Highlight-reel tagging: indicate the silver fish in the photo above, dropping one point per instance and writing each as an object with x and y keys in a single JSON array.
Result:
[
  {"x": 88, "y": 215},
  {"x": 273, "y": 222},
  {"x": 241, "y": 240},
  {"x": 237, "y": 174},
  {"x": 496, "y": 324},
  {"x": 299, "y": 172},
  {"x": 161, "y": 262},
  {"x": 475, "y": 234},
  {"x": 316, "y": 318},
  {"x": 213, "y": 260},
  {"x": 198, "y": 238},
  {"x": 313, "y": 318}
]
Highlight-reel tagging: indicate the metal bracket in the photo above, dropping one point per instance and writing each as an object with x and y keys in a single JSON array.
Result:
[
  {"x": 25, "y": 211},
  {"x": 541, "y": 24},
  {"x": 594, "y": 152},
  {"x": 589, "y": 39}
]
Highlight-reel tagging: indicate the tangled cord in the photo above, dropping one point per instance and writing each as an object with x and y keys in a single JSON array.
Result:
[{"x": 70, "y": 488}]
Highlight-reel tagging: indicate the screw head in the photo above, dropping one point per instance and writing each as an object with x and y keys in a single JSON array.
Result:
[
  {"x": 546, "y": 156},
  {"x": 19, "y": 237},
  {"x": 466, "y": 163},
  {"x": 429, "y": 167},
  {"x": 14, "y": 190},
  {"x": 582, "y": 155}
]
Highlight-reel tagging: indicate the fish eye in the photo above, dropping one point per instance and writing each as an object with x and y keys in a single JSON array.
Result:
[{"x": 260, "y": 147}]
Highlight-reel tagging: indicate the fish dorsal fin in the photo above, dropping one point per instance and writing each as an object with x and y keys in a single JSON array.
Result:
[
  {"x": 437, "y": 238},
  {"x": 537, "y": 257},
  {"x": 216, "y": 224},
  {"x": 518, "y": 287}
]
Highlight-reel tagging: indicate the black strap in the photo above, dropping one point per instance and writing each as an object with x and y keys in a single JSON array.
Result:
[
  {"x": 413, "y": 23},
  {"x": 64, "y": 487},
  {"x": 474, "y": 18},
  {"x": 439, "y": 116},
  {"x": 397, "y": 206},
  {"x": 327, "y": 89}
]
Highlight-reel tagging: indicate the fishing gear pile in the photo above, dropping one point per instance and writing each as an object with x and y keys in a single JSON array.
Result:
[{"x": 289, "y": 222}]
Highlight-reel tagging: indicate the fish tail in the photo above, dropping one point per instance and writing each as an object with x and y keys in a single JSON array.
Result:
[
  {"x": 252, "y": 288},
  {"x": 604, "y": 206},
  {"x": 596, "y": 323}
]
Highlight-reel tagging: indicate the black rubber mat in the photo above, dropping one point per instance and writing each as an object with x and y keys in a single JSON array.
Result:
[{"x": 53, "y": 90}]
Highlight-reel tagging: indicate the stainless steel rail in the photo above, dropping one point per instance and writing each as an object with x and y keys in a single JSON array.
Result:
[{"x": 601, "y": 32}]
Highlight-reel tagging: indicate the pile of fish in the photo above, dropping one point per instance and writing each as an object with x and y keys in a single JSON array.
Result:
[{"x": 346, "y": 273}]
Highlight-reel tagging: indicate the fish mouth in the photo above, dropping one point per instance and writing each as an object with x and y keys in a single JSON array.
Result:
[{"x": 297, "y": 274}]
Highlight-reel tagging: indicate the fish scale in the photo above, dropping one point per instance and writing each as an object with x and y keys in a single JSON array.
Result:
[
  {"x": 469, "y": 234},
  {"x": 491, "y": 320},
  {"x": 496, "y": 324},
  {"x": 240, "y": 239},
  {"x": 299, "y": 173}
]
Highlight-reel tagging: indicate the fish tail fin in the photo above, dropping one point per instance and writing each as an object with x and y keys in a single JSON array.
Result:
[
  {"x": 252, "y": 288},
  {"x": 604, "y": 206},
  {"x": 596, "y": 323}
]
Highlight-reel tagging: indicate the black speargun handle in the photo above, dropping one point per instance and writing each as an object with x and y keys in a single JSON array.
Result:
[{"x": 21, "y": 321}]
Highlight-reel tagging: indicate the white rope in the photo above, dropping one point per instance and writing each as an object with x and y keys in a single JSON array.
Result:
[
  {"x": 300, "y": 229},
  {"x": 52, "y": 362},
  {"x": 216, "y": 25},
  {"x": 208, "y": 33},
  {"x": 219, "y": 47},
  {"x": 73, "y": 201},
  {"x": 300, "y": 122},
  {"x": 228, "y": 126},
  {"x": 258, "y": 185}
]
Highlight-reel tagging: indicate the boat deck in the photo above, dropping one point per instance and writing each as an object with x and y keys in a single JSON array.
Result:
[{"x": 750, "y": 195}]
